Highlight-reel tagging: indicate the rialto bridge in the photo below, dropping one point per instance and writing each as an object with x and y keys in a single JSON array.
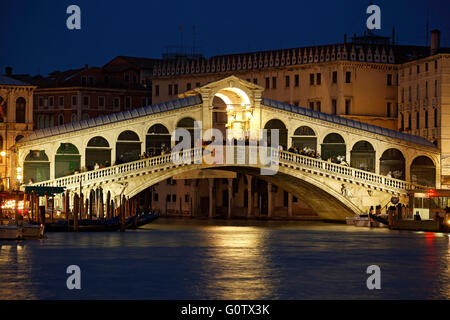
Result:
[{"x": 103, "y": 154}]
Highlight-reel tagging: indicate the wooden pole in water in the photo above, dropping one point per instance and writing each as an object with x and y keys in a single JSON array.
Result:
[
  {"x": 38, "y": 215},
  {"x": 67, "y": 206},
  {"x": 32, "y": 205},
  {"x": 108, "y": 205},
  {"x": 76, "y": 205},
  {"x": 122, "y": 215},
  {"x": 24, "y": 205},
  {"x": 81, "y": 206}
]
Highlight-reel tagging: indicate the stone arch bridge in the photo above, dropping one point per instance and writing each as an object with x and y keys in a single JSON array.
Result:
[{"x": 380, "y": 163}]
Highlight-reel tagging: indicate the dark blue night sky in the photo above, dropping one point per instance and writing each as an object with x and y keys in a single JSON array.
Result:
[{"x": 34, "y": 37}]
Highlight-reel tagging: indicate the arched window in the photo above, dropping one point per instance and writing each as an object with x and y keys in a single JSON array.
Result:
[
  {"x": 363, "y": 156},
  {"x": 158, "y": 137},
  {"x": 67, "y": 160},
  {"x": 392, "y": 162},
  {"x": 74, "y": 118},
  {"x": 333, "y": 146},
  {"x": 190, "y": 125},
  {"x": 98, "y": 151},
  {"x": 304, "y": 137},
  {"x": 128, "y": 147},
  {"x": 423, "y": 171},
  {"x": 60, "y": 120},
  {"x": 276, "y": 124},
  {"x": 20, "y": 110},
  {"x": 36, "y": 167}
]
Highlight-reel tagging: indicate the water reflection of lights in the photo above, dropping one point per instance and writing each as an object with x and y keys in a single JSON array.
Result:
[{"x": 238, "y": 266}]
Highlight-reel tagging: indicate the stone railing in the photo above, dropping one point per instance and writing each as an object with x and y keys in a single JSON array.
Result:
[{"x": 197, "y": 156}]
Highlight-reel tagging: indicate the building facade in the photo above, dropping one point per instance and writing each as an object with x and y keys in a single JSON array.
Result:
[{"x": 16, "y": 122}]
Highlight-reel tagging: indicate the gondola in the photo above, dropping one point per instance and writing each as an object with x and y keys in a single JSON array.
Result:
[
  {"x": 85, "y": 225},
  {"x": 142, "y": 219}
]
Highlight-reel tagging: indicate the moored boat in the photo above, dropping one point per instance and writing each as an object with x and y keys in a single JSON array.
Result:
[{"x": 13, "y": 232}]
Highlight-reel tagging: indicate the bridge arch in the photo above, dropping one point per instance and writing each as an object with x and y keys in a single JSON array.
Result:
[
  {"x": 190, "y": 125},
  {"x": 333, "y": 146},
  {"x": 362, "y": 156},
  {"x": 277, "y": 124},
  {"x": 393, "y": 161},
  {"x": 423, "y": 171},
  {"x": 128, "y": 146},
  {"x": 304, "y": 137},
  {"x": 97, "y": 151},
  {"x": 157, "y": 137},
  {"x": 36, "y": 166},
  {"x": 67, "y": 160}
]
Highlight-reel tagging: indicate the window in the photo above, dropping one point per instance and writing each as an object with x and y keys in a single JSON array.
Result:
[
  {"x": 348, "y": 77},
  {"x": 403, "y": 95},
  {"x": 409, "y": 122},
  {"x": 267, "y": 83},
  {"x": 319, "y": 106},
  {"x": 116, "y": 102},
  {"x": 85, "y": 101},
  {"x": 175, "y": 88},
  {"x": 418, "y": 69},
  {"x": 319, "y": 78},
  {"x": 417, "y": 120},
  {"x": 435, "y": 88},
  {"x": 170, "y": 89},
  {"x": 20, "y": 110},
  {"x": 435, "y": 118},
  {"x": 155, "y": 197},
  {"x": 297, "y": 80},
  {"x": 74, "y": 117},
  {"x": 50, "y": 101},
  {"x": 74, "y": 101},
  {"x": 274, "y": 82},
  {"x": 296, "y": 103},
  {"x": 426, "y": 67},
  {"x": 61, "y": 101},
  {"x": 168, "y": 198},
  {"x": 41, "y": 102},
  {"x": 186, "y": 198},
  {"x": 91, "y": 81},
  {"x": 435, "y": 64},
  {"x": 426, "y": 119},
  {"x": 347, "y": 106},
  {"x": 388, "y": 109},
  {"x": 333, "y": 106},
  {"x": 188, "y": 86},
  {"x": 418, "y": 93},
  {"x": 334, "y": 76},
  {"x": 197, "y": 84},
  {"x": 248, "y": 79},
  {"x": 389, "y": 80},
  {"x": 128, "y": 102},
  {"x": 426, "y": 89},
  {"x": 157, "y": 90},
  {"x": 83, "y": 80},
  {"x": 101, "y": 101},
  {"x": 60, "y": 120},
  {"x": 409, "y": 94},
  {"x": 311, "y": 79},
  {"x": 126, "y": 78},
  {"x": 143, "y": 102},
  {"x": 174, "y": 198},
  {"x": 288, "y": 80},
  {"x": 311, "y": 105},
  {"x": 255, "y": 80}
]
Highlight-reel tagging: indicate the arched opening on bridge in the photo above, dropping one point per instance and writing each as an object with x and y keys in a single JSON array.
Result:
[
  {"x": 423, "y": 171},
  {"x": 232, "y": 111},
  {"x": 190, "y": 125},
  {"x": 276, "y": 124},
  {"x": 67, "y": 160},
  {"x": 98, "y": 151},
  {"x": 304, "y": 138},
  {"x": 36, "y": 167},
  {"x": 392, "y": 161},
  {"x": 158, "y": 137},
  {"x": 128, "y": 147},
  {"x": 219, "y": 113},
  {"x": 333, "y": 146},
  {"x": 363, "y": 156}
]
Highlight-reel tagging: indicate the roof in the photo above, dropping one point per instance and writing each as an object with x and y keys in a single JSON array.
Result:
[
  {"x": 4, "y": 80},
  {"x": 114, "y": 118},
  {"x": 347, "y": 122}
]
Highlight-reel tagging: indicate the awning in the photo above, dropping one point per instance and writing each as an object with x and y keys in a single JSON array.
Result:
[{"x": 41, "y": 191}]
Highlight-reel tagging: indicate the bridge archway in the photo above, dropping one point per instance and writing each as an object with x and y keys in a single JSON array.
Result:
[
  {"x": 276, "y": 124},
  {"x": 423, "y": 171},
  {"x": 392, "y": 161},
  {"x": 333, "y": 146},
  {"x": 67, "y": 160},
  {"x": 36, "y": 166},
  {"x": 158, "y": 137},
  {"x": 98, "y": 151},
  {"x": 190, "y": 125},
  {"x": 304, "y": 137},
  {"x": 20, "y": 110},
  {"x": 363, "y": 156},
  {"x": 128, "y": 147}
]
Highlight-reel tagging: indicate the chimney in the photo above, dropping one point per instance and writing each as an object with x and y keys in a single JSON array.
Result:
[
  {"x": 86, "y": 66},
  {"x": 8, "y": 71},
  {"x": 435, "y": 41}
]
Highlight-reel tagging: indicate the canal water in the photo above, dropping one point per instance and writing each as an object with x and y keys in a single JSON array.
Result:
[{"x": 201, "y": 259}]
